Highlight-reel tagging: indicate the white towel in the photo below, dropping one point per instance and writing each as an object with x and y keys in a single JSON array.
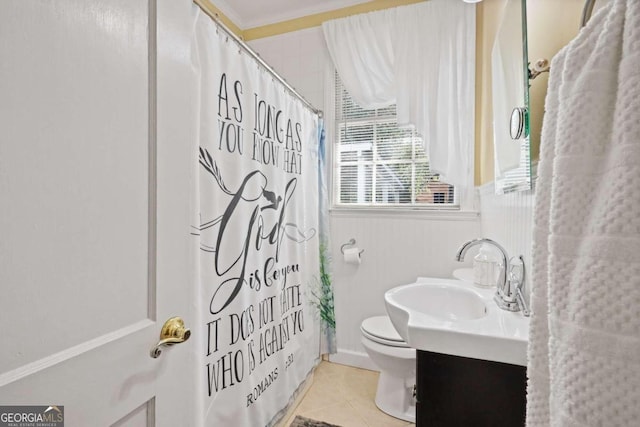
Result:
[{"x": 584, "y": 350}]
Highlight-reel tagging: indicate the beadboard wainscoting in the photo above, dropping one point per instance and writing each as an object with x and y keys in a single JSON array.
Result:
[
  {"x": 508, "y": 219},
  {"x": 398, "y": 248},
  {"x": 300, "y": 57}
]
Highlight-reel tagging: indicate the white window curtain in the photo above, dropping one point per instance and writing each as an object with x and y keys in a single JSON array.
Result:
[{"x": 422, "y": 58}]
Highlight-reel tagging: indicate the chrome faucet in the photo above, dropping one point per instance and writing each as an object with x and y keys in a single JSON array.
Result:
[{"x": 510, "y": 280}]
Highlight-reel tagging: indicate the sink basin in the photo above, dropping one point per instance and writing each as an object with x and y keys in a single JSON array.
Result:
[
  {"x": 441, "y": 300},
  {"x": 451, "y": 317}
]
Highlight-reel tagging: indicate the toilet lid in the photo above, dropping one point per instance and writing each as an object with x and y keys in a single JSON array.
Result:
[{"x": 381, "y": 328}]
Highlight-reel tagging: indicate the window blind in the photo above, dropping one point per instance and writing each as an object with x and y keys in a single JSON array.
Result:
[{"x": 378, "y": 164}]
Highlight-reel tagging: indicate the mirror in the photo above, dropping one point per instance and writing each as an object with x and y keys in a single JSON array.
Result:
[{"x": 509, "y": 65}]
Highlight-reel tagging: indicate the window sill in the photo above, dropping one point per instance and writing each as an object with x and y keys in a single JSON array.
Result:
[{"x": 452, "y": 214}]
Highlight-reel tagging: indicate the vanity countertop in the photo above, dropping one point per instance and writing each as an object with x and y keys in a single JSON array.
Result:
[{"x": 454, "y": 317}]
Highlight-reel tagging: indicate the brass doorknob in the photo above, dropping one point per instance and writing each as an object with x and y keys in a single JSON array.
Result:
[{"x": 173, "y": 332}]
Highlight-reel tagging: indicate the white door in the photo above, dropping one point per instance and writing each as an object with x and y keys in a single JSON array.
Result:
[{"x": 94, "y": 209}]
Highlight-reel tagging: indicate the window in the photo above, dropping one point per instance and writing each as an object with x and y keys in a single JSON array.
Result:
[{"x": 378, "y": 164}]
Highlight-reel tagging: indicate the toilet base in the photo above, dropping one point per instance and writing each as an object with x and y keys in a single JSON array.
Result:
[{"x": 395, "y": 397}]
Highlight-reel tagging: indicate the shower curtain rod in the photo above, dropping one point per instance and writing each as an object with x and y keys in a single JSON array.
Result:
[{"x": 201, "y": 4}]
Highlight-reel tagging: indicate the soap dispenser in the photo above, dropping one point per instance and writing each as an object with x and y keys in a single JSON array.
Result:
[{"x": 484, "y": 268}]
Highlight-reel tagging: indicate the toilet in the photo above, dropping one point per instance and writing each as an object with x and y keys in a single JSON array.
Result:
[{"x": 397, "y": 364}]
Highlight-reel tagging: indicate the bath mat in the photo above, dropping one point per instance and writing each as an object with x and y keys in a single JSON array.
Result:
[{"x": 299, "y": 421}]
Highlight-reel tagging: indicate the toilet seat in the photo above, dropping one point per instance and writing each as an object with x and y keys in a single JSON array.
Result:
[{"x": 380, "y": 329}]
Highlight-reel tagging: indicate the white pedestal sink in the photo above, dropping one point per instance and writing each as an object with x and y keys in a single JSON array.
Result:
[{"x": 452, "y": 317}]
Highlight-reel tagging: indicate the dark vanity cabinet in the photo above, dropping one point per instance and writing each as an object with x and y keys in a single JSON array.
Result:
[{"x": 454, "y": 391}]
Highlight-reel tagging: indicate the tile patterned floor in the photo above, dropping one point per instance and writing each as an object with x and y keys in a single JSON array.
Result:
[{"x": 344, "y": 396}]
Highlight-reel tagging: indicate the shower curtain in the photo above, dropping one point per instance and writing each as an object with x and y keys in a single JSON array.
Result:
[{"x": 263, "y": 301}]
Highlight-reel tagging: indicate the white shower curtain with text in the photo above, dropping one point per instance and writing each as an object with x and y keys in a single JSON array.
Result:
[{"x": 257, "y": 229}]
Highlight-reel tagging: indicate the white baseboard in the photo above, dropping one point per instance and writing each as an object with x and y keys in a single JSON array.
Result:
[{"x": 353, "y": 358}]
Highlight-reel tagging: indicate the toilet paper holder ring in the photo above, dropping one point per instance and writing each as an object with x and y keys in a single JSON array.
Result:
[{"x": 351, "y": 242}]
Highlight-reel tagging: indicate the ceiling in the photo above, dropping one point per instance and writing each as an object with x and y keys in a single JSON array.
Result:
[{"x": 255, "y": 13}]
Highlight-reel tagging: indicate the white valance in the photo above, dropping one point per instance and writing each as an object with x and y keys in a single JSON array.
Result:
[{"x": 422, "y": 58}]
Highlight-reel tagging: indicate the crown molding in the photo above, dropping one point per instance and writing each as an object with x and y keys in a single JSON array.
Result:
[{"x": 319, "y": 7}]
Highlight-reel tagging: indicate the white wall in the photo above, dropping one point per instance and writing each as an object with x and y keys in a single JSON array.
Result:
[
  {"x": 398, "y": 247},
  {"x": 300, "y": 57}
]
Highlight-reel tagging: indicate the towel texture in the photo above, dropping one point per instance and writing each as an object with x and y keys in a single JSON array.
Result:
[{"x": 584, "y": 351}]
